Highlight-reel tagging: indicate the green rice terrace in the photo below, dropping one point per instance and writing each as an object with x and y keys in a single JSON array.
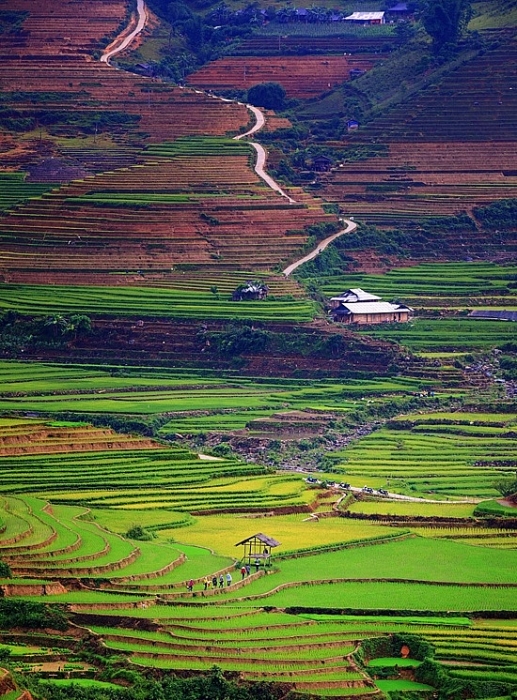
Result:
[
  {"x": 107, "y": 528},
  {"x": 212, "y": 486}
]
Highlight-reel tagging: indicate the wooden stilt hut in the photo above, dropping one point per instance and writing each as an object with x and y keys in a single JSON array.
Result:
[{"x": 257, "y": 550}]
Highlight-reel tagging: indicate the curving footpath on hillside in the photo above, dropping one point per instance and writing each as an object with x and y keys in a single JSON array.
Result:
[
  {"x": 123, "y": 41},
  {"x": 350, "y": 226},
  {"x": 260, "y": 120}
]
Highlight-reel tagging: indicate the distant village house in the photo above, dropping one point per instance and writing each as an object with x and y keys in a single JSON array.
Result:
[
  {"x": 402, "y": 11},
  {"x": 366, "y": 18},
  {"x": 322, "y": 164},
  {"x": 251, "y": 290},
  {"x": 355, "y": 306}
]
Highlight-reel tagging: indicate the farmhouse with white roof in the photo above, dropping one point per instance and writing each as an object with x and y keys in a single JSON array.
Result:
[
  {"x": 366, "y": 17},
  {"x": 360, "y": 307}
]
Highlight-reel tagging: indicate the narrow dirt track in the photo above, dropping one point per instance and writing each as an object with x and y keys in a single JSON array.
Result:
[
  {"x": 123, "y": 41},
  {"x": 350, "y": 226}
]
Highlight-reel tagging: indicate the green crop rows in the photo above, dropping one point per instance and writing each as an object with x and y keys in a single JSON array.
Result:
[
  {"x": 165, "y": 302},
  {"x": 14, "y": 189},
  {"x": 451, "y": 457}
]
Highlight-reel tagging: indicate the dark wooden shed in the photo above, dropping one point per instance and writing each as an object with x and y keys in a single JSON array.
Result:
[{"x": 257, "y": 549}]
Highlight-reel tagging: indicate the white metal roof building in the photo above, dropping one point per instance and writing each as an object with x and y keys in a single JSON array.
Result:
[
  {"x": 366, "y": 17},
  {"x": 360, "y": 307}
]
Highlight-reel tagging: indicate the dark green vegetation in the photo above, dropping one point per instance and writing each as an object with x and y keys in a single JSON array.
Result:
[
  {"x": 268, "y": 95},
  {"x": 60, "y": 122},
  {"x": 445, "y": 21}
]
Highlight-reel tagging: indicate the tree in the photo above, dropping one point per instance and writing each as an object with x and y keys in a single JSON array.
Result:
[
  {"x": 56, "y": 325},
  {"x": 5, "y": 570},
  {"x": 506, "y": 487},
  {"x": 137, "y": 532},
  {"x": 268, "y": 95},
  {"x": 445, "y": 20}
]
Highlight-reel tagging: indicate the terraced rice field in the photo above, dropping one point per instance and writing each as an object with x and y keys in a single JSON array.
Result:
[
  {"x": 131, "y": 301},
  {"x": 184, "y": 395},
  {"x": 57, "y": 59},
  {"x": 301, "y": 77},
  {"x": 450, "y": 171},
  {"x": 450, "y": 459},
  {"x": 198, "y": 212},
  {"x": 14, "y": 189},
  {"x": 438, "y": 287}
]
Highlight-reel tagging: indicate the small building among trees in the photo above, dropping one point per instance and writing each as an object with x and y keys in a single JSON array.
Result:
[
  {"x": 250, "y": 290},
  {"x": 355, "y": 306},
  {"x": 366, "y": 17}
]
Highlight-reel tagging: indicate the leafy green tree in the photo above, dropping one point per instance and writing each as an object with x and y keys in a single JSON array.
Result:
[
  {"x": 56, "y": 325},
  {"x": 22, "y": 613},
  {"x": 269, "y": 95},
  {"x": 506, "y": 487},
  {"x": 445, "y": 20},
  {"x": 138, "y": 533},
  {"x": 5, "y": 571}
]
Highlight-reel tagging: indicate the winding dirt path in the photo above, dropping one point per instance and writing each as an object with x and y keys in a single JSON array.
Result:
[
  {"x": 261, "y": 172},
  {"x": 123, "y": 40},
  {"x": 260, "y": 120},
  {"x": 350, "y": 226}
]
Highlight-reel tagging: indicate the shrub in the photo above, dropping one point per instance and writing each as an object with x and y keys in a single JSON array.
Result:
[
  {"x": 5, "y": 571},
  {"x": 138, "y": 533},
  {"x": 269, "y": 95}
]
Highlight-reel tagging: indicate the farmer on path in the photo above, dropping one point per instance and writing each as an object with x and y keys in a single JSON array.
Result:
[
  {"x": 206, "y": 581},
  {"x": 221, "y": 581},
  {"x": 214, "y": 582},
  {"x": 228, "y": 579},
  {"x": 243, "y": 572}
]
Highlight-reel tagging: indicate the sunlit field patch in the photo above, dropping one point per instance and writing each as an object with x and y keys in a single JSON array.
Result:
[{"x": 293, "y": 531}]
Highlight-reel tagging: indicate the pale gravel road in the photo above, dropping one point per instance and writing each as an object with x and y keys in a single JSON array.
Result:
[
  {"x": 119, "y": 44},
  {"x": 116, "y": 47}
]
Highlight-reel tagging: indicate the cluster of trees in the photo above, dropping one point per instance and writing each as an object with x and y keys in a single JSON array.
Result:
[
  {"x": 501, "y": 214},
  {"x": 445, "y": 21},
  {"x": 18, "y": 332},
  {"x": 211, "y": 685},
  {"x": 25, "y": 614},
  {"x": 239, "y": 337}
]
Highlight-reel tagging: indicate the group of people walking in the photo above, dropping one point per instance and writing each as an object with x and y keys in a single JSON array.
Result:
[
  {"x": 218, "y": 581},
  {"x": 214, "y": 582}
]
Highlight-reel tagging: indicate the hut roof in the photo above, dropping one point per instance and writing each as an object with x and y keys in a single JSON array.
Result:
[
  {"x": 366, "y": 16},
  {"x": 265, "y": 539},
  {"x": 355, "y": 295},
  {"x": 380, "y": 307}
]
